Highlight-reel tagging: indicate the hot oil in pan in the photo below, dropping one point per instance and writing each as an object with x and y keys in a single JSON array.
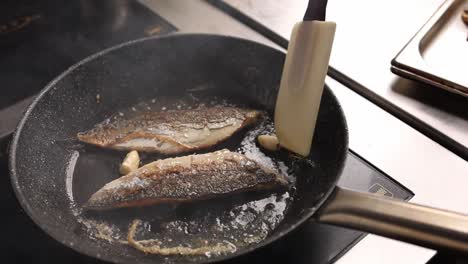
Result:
[{"x": 211, "y": 227}]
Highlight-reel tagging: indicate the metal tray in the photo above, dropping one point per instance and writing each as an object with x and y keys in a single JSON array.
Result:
[{"x": 438, "y": 53}]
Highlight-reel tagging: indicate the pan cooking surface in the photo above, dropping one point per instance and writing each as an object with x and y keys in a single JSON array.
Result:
[
  {"x": 52, "y": 174},
  {"x": 213, "y": 227}
]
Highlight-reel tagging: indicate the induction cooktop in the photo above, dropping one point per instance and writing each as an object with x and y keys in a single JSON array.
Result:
[{"x": 39, "y": 40}]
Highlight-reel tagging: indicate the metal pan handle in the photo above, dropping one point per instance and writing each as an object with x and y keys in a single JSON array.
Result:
[{"x": 416, "y": 224}]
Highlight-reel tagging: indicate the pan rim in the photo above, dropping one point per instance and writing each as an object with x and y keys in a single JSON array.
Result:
[{"x": 82, "y": 250}]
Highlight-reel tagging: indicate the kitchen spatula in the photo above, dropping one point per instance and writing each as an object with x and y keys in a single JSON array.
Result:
[{"x": 303, "y": 79}]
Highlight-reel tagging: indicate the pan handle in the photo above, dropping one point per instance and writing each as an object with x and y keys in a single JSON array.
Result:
[{"x": 408, "y": 222}]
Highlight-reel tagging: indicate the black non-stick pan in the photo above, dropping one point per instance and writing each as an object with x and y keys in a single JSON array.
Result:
[{"x": 43, "y": 150}]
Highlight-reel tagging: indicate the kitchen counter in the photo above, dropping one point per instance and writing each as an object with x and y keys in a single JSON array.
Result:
[{"x": 436, "y": 176}]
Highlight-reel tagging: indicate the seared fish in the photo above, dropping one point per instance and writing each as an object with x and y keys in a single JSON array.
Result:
[
  {"x": 192, "y": 177},
  {"x": 171, "y": 131}
]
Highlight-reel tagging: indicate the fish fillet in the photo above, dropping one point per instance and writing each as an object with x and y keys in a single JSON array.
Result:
[
  {"x": 171, "y": 131},
  {"x": 192, "y": 177}
]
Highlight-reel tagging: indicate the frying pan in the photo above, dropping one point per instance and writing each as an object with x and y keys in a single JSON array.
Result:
[{"x": 170, "y": 66}]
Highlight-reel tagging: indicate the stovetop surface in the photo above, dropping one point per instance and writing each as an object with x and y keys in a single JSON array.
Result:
[{"x": 39, "y": 41}]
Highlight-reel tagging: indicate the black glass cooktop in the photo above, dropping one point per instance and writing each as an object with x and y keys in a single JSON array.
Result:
[{"x": 39, "y": 40}]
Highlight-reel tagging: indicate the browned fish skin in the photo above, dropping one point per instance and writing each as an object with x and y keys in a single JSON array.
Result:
[
  {"x": 171, "y": 131},
  {"x": 193, "y": 177}
]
